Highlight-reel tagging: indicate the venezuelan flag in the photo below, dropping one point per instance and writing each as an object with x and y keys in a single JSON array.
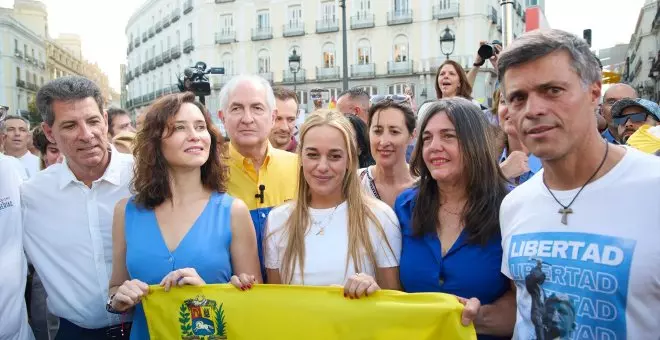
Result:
[{"x": 279, "y": 312}]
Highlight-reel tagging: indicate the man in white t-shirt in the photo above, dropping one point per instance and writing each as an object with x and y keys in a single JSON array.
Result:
[
  {"x": 580, "y": 238},
  {"x": 13, "y": 264},
  {"x": 16, "y": 137}
]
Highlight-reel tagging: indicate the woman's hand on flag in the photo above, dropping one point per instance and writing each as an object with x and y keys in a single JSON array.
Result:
[
  {"x": 470, "y": 310},
  {"x": 128, "y": 295},
  {"x": 243, "y": 281},
  {"x": 360, "y": 285},
  {"x": 180, "y": 277}
]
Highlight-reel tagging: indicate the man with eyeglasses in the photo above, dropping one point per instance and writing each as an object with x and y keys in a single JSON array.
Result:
[
  {"x": 613, "y": 94},
  {"x": 629, "y": 115}
]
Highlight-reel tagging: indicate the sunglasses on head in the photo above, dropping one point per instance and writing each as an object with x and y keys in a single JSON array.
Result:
[
  {"x": 397, "y": 98},
  {"x": 637, "y": 117}
]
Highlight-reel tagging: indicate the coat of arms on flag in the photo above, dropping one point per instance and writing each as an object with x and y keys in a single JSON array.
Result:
[{"x": 202, "y": 319}]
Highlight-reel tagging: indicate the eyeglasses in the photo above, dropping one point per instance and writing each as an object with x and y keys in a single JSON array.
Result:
[
  {"x": 396, "y": 98},
  {"x": 637, "y": 117}
]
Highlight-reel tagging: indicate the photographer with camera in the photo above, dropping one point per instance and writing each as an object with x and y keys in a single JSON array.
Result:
[{"x": 486, "y": 51}]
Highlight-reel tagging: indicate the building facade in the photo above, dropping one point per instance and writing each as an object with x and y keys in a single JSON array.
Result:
[
  {"x": 92, "y": 72},
  {"x": 62, "y": 61},
  {"x": 644, "y": 52},
  {"x": 391, "y": 44},
  {"x": 22, "y": 63}
]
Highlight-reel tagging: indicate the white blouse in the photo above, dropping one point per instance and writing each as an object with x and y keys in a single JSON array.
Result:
[{"x": 326, "y": 244}]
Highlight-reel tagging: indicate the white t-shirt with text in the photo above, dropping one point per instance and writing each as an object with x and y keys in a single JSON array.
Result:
[
  {"x": 598, "y": 277},
  {"x": 326, "y": 252}
]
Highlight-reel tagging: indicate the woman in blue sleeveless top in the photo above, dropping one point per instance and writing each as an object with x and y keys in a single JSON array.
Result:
[{"x": 180, "y": 227}]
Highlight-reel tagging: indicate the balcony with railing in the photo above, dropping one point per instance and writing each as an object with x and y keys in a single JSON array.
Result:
[
  {"x": 175, "y": 52},
  {"x": 446, "y": 10},
  {"x": 136, "y": 71},
  {"x": 363, "y": 20},
  {"x": 266, "y": 75},
  {"x": 166, "y": 20},
  {"x": 493, "y": 15},
  {"x": 293, "y": 29},
  {"x": 176, "y": 14},
  {"x": 145, "y": 67},
  {"x": 225, "y": 36},
  {"x": 327, "y": 73},
  {"x": 151, "y": 32},
  {"x": 399, "y": 17},
  {"x": 144, "y": 36},
  {"x": 327, "y": 25},
  {"x": 166, "y": 56},
  {"x": 262, "y": 33},
  {"x": 363, "y": 70},
  {"x": 187, "y": 6},
  {"x": 20, "y": 83},
  {"x": 400, "y": 67},
  {"x": 136, "y": 42},
  {"x": 159, "y": 61},
  {"x": 287, "y": 76},
  {"x": 188, "y": 46},
  {"x": 159, "y": 26},
  {"x": 31, "y": 86},
  {"x": 18, "y": 54},
  {"x": 152, "y": 64}
]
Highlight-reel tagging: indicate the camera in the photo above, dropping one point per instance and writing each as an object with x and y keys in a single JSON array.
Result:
[
  {"x": 195, "y": 79},
  {"x": 486, "y": 51}
]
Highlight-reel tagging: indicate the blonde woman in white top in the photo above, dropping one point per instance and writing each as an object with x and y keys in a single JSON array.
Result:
[
  {"x": 333, "y": 234},
  {"x": 391, "y": 125}
]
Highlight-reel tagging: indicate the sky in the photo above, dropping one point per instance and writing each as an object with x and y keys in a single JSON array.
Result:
[{"x": 101, "y": 24}]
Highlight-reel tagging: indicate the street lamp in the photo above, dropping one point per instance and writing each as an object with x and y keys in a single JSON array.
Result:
[
  {"x": 294, "y": 66},
  {"x": 447, "y": 42}
]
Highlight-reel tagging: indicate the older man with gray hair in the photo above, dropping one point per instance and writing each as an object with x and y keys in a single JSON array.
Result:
[
  {"x": 259, "y": 174},
  {"x": 576, "y": 218}
]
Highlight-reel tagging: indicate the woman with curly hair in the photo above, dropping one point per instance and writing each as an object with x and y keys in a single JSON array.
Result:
[{"x": 180, "y": 227}]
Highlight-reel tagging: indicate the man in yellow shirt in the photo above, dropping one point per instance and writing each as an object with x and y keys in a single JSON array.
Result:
[{"x": 260, "y": 175}]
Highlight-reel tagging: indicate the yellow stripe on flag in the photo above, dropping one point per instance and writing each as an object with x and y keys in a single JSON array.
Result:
[{"x": 274, "y": 312}]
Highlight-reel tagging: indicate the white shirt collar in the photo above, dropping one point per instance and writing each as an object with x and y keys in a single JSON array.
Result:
[{"x": 111, "y": 175}]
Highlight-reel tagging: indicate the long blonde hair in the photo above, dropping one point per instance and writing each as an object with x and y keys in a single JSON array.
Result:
[{"x": 359, "y": 205}]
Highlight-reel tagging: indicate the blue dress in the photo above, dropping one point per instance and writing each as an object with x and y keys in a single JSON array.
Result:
[
  {"x": 205, "y": 247},
  {"x": 467, "y": 270}
]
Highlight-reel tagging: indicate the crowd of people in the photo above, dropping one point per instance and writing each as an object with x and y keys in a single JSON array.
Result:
[{"x": 540, "y": 221}]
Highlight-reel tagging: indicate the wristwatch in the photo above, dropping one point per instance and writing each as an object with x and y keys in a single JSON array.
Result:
[
  {"x": 479, "y": 65},
  {"x": 109, "y": 308}
]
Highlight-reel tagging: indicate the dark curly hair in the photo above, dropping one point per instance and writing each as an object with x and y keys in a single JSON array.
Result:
[{"x": 151, "y": 183}]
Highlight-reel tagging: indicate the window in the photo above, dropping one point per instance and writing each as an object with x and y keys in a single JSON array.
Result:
[
  {"x": 169, "y": 76},
  {"x": 42, "y": 81},
  {"x": 33, "y": 53},
  {"x": 161, "y": 47},
  {"x": 161, "y": 80},
  {"x": 190, "y": 31},
  {"x": 15, "y": 44},
  {"x": 400, "y": 53},
  {"x": 401, "y": 6},
  {"x": 363, "y": 8},
  {"x": 295, "y": 15},
  {"x": 27, "y": 76},
  {"x": 34, "y": 79},
  {"x": 399, "y": 88},
  {"x": 364, "y": 52},
  {"x": 302, "y": 97},
  {"x": 153, "y": 51},
  {"x": 329, "y": 55},
  {"x": 169, "y": 43},
  {"x": 445, "y": 4},
  {"x": 228, "y": 63},
  {"x": 371, "y": 90},
  {"x": 226, "y": 23},
  {"x": 18, "y": 73},
  {"x": 178, "y": 38},
  {"x": 328, "y": 11},
  {"x": 333, "y": 93},
  {"x": 263, "y": 63},
  {"x": 263, "y": 20},
  {"x": 25, "y": 50}
]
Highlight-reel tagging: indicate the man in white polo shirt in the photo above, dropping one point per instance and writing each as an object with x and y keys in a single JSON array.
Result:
[
  {"x": 13, "y": 265},
  {"x": 67, "y": 210},
  {"x": 580, "y": 238}
]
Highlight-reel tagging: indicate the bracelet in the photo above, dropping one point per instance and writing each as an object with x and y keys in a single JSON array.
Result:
[
  {"x": 479, "y": 65},
  {"x": 109, "y": 308}
]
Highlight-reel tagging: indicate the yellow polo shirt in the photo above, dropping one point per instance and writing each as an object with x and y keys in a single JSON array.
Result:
[{"x": 278, "y": 174}]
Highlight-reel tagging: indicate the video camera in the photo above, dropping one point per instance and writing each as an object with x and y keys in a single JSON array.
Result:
[{"x": 195, "y": 79}]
